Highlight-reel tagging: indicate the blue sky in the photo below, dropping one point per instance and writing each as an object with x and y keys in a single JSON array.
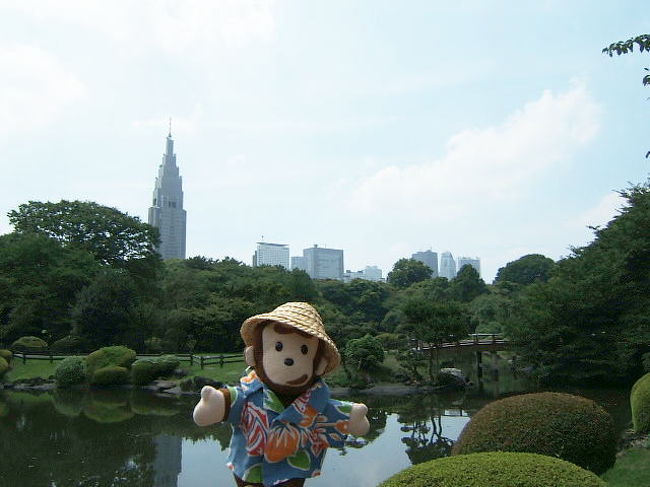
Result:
[{"x": 487, "y": 128}]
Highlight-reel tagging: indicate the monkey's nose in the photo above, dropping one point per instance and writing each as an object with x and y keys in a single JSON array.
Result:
[{"x": 288, "y": 361}]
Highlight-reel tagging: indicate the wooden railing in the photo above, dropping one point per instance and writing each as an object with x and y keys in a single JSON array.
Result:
[
  {"x": 202, "y": 360},
  {"x": 475, "y": 340}
]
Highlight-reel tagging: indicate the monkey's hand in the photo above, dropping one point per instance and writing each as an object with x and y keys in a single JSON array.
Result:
[
  {"x": 358, "y": 424},
  {"x": 211, "y": 408}
]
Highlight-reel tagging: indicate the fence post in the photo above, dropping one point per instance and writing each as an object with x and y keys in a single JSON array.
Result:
[
  {"x": 191, "y": 360},
  {"x": 51, "y": 357},
  {"x": 201, "y": 362},
  {"x": 221, "y": 360},
  {"x": 24, "y": 358}
]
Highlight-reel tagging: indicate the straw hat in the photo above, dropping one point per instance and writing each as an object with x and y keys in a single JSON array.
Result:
[{"x": 301, "y": 316}]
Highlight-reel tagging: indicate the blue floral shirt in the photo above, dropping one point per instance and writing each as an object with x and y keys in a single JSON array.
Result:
[{"x": 271, "y": 443}]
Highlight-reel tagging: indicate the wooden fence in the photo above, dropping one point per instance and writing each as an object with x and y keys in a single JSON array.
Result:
[{"x": 202, "y": 360}]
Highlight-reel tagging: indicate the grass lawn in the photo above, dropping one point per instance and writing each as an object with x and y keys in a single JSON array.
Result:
[
  {"x": 632, "y": 469},
  {"x": 31, "y": 369}
]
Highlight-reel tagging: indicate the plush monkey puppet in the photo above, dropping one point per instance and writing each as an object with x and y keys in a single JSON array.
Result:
[{"x": 282, "y": 415}]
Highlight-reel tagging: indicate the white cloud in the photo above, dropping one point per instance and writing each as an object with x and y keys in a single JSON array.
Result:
[
  {"x": 600, "y": 214},
  {"x": 35, "y": 88},
  {"x": 176, "y": 26},
  {"x": 489, "y": 165}
]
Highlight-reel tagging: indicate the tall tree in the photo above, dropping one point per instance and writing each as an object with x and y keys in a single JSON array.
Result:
[
  {"x": 467, "y": 284},
  {"x": 526, "y": 270},
  {"x": 113, "y": 237},
  {"x": 408, "y": 271}
]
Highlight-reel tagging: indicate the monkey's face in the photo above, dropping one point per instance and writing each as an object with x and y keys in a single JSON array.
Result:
[{"x": 288, "y": 357}]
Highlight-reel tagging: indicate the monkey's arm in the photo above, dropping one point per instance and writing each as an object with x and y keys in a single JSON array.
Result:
[
  {"x": 358, "y": 424},
  {"x": 212, "y": 408}
]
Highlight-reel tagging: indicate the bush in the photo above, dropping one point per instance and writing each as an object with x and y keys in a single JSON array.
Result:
[
  {"x": 559, "y": 425},
  {"x": 146, "y": 370},
  {"x": 363, "y": 353},
  {"x": 495, "y": 469},
  {"x": 118, "y": 355},
  {"x": 69, "y": 344},
  {"x": 640, "y": 403},
  {"x": 7, "y": 355},
  {"x": 110, "y": 376},
  {"x": 29, "y": 344},
  {"x": 71, "y": 371},
  {"x": 4, "y": 367}
]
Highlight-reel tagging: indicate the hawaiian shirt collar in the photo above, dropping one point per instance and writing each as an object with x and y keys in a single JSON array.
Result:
[{"x": 314, "y": 399}]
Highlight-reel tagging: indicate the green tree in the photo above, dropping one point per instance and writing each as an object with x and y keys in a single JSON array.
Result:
[
  {"x": 467, "y": 285},
  {"x": 39, "y": 281},
  {"x": 113, "y": 237},
  {"x": 589, "y": 322},
  {"x": 435, "y": 323},
  {"x": 364, "y": 353},
  {"x": 526, "y": 270},
  {"x": 407, "y": 272},
  {"x": 103, "y": 310}
]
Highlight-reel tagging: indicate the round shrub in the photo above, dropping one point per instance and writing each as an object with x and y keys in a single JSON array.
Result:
[
  {"x": 4, "y": 367},
  {"x": 167, "y": 364},
  {"x": 7, "y": 355},
  {"x": 495, "y": 469},
  {"x": 117, "y": 355},
  {"x": 143, "y": 372},
  {"x": 559, "y": 425},
  {"x": 71, "y": 371},
  {"x": 110, "y": 376},
  {"x": 640, "y": 403},
  {"x": 69, "y": 344},
  {"x": 29, "y": 344}
]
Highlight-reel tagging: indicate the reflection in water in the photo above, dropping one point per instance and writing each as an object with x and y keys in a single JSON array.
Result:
[{"x": 133, "y": 438}]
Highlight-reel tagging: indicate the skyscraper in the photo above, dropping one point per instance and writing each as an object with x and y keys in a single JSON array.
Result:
[
  {"x": 428, "y": 258},
  {"x": 323, "y": 263},
  {"x": 271, "y": 254},
  {"x": 167, "y": 213},
  {"x": 475, "y": 262},
  {"x": 447, "y": 265}
]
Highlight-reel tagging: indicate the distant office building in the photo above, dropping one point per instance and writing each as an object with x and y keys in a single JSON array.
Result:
[
  {"x": 271, "y": 254},
  {"x": 168, "y": 460},
  {"x": 298, "y": 262},
  {"x": 428, "y": 258},
  {"x": 323, "y": 263},
  {"x": 167, "y": 213},
  {"x": 475, "y": 262},
  {"x": 447, "y": 265},
  {"x": 370, "y": 273}
]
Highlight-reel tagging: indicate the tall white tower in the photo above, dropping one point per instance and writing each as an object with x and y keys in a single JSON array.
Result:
[{"x": 167, "y": 213}]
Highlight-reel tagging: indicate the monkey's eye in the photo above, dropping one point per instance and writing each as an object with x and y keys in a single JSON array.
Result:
[
  {"x": 278, "y": 346},
  {"x": 304, "y": 349}
]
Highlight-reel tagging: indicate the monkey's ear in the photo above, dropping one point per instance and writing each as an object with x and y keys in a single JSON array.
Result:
[
  {"x": 322, "y": 365},
  {"x": 249, "y": 356}
]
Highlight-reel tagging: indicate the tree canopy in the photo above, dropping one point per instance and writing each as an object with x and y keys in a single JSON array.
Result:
[
  {"x": 111, "y": 236},
  {"x": 408, "y": 271},
  {"x": 526, "y": 270}
]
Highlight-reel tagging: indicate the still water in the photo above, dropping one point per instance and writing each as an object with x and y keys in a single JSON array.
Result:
[{"x": 138, "y": 439}]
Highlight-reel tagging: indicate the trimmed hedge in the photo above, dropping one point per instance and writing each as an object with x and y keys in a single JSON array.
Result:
[
  {"x": 558, "y": 425},
  {"x": 29, "y": 344},
  {"x": 69, "y": 344},
  {"x": 110, "y": 376},
  {"x": 117, "y": 355},
  {"x": 7, "y": 355},
  {"x": 70, "y": 371},
  {"x": 495, "y": 469},
  {"x": 640, "y": 403},
  {"x": 144, "y": 371}
]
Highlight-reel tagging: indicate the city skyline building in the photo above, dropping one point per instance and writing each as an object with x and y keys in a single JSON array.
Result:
[
  {"x": 166, "y": 212},
  {"x": 475, "y": 262},
  {"x": 298, "y": 262},
  {"x": 370, "y": 273},
  {"x": 271, "y": 254},
  {"x": 429, "y": 258},
  {"x": 323, "y": 263},
  {"x": 447, "y": 265}
]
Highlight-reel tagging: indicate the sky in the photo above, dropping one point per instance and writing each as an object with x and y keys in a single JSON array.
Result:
[{"x": 482, "y": 127}]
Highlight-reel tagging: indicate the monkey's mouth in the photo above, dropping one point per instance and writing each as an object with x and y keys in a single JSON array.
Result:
[{"x": 299, "y": 381}]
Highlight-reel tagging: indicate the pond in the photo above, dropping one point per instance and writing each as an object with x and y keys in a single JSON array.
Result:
[{"x": 134, "y": 438}]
